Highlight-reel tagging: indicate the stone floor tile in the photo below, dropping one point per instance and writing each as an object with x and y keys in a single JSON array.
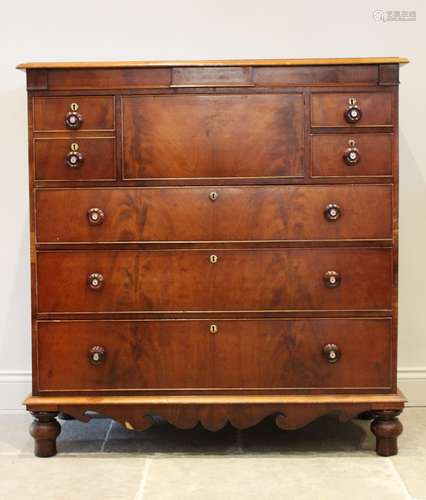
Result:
[
  {"x": 276, "y": 478},
  {"x": 413, "y": 438},
  {"x": 165, "y": 438},
  {"x": 70, "y": 478},
  {"x": 14, "y": 435},
  {"x": 413, "y": 473}
]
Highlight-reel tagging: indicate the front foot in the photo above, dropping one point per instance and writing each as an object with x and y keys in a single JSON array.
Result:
[
  {"x": 45, "y": 429},
  {"x": 386, "y": 427}
]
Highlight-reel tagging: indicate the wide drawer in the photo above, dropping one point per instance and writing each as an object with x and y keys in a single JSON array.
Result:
[
  {"x": 328, "y": 109},
  {"x": 215, "y": 280},
  {"x": 95, "y": 113},
  {"x": 195, "y": 136},
  {"x": 351, "y": 155},
  {"x": 74, "y": 159},
  {"x": 241, "y": 354},
  {"x": 213, "y": 214}
]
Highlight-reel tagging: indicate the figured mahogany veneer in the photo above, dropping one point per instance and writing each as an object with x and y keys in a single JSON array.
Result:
[
  {"x": 187, "y": 280},
  {"x": 281, "y": 354},
  {"x": 213, "y": 136},
  {"x": 250, "y": 213},
  {"x": 214, "y": 242}
]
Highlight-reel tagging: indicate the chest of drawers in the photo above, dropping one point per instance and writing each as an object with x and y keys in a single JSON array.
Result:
[{"x": 214, "y": 242}]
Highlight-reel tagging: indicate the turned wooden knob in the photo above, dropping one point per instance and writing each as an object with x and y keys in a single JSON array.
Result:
[
  {"x": 95, "y": 281},
  {"x": 352, "y": 155},
  {"x": 353, "y": 112},
  {"x": 331, "y": 353},
  {"x": 95, "y": 216},
  {"x": 97, "y": 355},
  {"x": 332, "y": 212},
  {"x": 332, "y": 279}
]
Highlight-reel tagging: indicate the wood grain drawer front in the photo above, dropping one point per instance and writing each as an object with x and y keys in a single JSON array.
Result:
[
  {"x": 251, "y": 354},
  {"x": 328, "y": 109},
  {"x": 329, "y": 155},
  {"x": 214, "y": 214},
  {"x": 215, "y": 280},
  {"x": 97, "y": 113},
  {"x": 213, "y": 136},
  {"x": 97, "y": 159}
]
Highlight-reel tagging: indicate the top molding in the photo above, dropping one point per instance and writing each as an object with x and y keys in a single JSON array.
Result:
[{"x": 218, "y": 63}]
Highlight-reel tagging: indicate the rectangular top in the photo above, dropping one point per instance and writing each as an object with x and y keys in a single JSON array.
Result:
[{"x": 217, "y": 63}]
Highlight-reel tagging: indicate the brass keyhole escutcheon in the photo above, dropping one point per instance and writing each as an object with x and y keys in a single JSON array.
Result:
[
  {"x": 74, "y": 146},
  {"x": 214, "y": 196},
  {"x": 214, "y": 259},
  {"x": 74, "y": 106},
  {"x": 213, "y": 329},
  {"x": 351, "y": 101}
]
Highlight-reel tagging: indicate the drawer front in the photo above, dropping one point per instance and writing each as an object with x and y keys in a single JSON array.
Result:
[
  {"x": 214, "y": 214},
  {"x": 242, "y": 354},
  {"x": 328, "y": 109},
  {"x": 215, "y": 280},
  {"x": 95, "y": 159},
  {"x": 97, "y": 113},
  {"x": 213, "y": 136},
  {"x": 351, "y": 155}
]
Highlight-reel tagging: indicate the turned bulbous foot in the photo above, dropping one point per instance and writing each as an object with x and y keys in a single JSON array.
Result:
[
  {"x": 386, "y": 427},
  {"x": 45, "y": 429}
]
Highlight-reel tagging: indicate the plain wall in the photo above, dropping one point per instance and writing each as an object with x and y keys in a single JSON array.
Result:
[{"x": 196, "y": 29}]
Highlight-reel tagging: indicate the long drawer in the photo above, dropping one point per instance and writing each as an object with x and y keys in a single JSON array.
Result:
[
  {"x": 239, "y": 354},
  {"x": 214, "y": 213},
  {"x": 215, "y": 280}
]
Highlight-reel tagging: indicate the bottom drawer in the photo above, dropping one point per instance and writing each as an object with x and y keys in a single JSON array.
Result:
[{"x": 206, "y": 354}]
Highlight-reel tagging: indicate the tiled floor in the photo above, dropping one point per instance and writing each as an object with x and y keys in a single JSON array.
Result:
[{"x": 102, "y": 460}]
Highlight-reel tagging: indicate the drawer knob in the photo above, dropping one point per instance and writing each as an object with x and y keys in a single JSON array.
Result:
[
  {"x": 97, "y": 355},
  {"x": 353, "y": 113},
  {"x": 95, "y": 281},
  {"x": 332, "y": 279},
  {"x": 213, "y": 259},
  {"x": 332, "y": 211},
  {"x": 213, "y": 329},
  {"x": 73, "y": 120},
  {"x": 351, "y": 156},
  {"x": 74, "y": 157},
  {"x": 331, "y": 353},
  {"x": 95, "y": 216},
  {"x": 213, "y": 196}
]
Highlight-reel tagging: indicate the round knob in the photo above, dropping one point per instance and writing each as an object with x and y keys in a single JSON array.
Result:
[
  {"x": 73, "y": 159},
  {"x": 214, "y": 259},
  {"x": 95, "y": 281},
  {"x": 73, "y": 119},
  {"x": 332, "y": 279},
  {"x": 97, "y": 355},
  {"x": 351, "y": 156},
  {"x": 95, "y": 216},
  {"x": 213, "y": 329},
  {"x": 353, "y": 113},
  {"x": 214, "y": 196},
  {"x": 332, "y": 211},
  {"x": 331, "y": 353}
]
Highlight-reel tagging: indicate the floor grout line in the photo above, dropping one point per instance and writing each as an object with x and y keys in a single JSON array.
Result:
[
  {"x": 140, "y": 493},
  {"x": 399, "y": 478},
  {"x": 108, "y": 432}
]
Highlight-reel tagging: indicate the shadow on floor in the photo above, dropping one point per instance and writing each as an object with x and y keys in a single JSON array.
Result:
[{"x": 325, "y": 435}]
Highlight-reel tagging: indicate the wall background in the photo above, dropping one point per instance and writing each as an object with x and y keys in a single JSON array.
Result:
[{"x": 197, "y": 29}]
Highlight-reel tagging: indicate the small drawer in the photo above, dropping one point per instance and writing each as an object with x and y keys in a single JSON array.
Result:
[
  {"x": 303, "y": 354},
  {"x": 351, "y": 155},
  {"x": 73, "y": 113},
  {"x": 74, "y": 159},
  {"x": 359, "y": 109}
]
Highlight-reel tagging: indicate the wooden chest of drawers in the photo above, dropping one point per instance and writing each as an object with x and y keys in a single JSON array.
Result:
[{"x": 214, "y": 242}]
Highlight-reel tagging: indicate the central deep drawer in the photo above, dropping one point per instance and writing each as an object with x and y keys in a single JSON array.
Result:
[
  {"x": 215, "y": 280},
  {"x": 247, "y": 213},
  {"x": 239, "y": 354}
]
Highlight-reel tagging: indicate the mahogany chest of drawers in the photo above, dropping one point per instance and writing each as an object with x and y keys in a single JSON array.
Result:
[{"x": 214, "y": 242}]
